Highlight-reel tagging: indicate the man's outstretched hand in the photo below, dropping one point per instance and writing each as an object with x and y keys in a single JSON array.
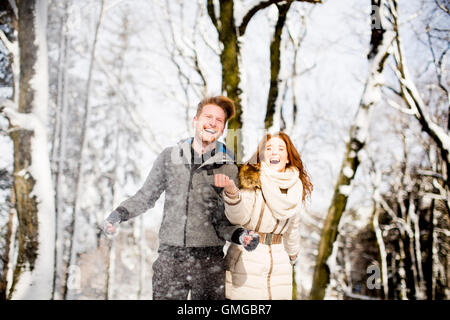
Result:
[
  {"x": 110, "y": 225},
  {"x": 109, "y": 228}
]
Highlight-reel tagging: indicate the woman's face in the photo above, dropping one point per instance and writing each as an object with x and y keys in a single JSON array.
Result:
[{"x": 275, "y": 154}]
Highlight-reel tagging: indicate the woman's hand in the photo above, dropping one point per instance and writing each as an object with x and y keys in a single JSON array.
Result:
[{"x": 224, "y": 181}]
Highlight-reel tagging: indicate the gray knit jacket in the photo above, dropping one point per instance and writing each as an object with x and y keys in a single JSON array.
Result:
[{"x": 193, "y": 209}]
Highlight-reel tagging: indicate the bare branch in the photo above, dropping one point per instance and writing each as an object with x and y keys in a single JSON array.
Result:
[
  {"x": 430, "y": 174},
  {"x": 396, "y": 106},
  {"x": 136, "y": 119},
  {"x": 438, "y": 63},
  {"x": 260, "y": 6},
  {"x": 442, "y": 7},
  {"x": 412, "y": 97}
]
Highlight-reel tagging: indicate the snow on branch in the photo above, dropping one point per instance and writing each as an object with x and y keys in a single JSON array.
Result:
[
  {"x": 20, "y": 120},
  {"x": 8, "y": 44},
  {"x": 396, "y": 106},
  {"x": 400, "y": 223},
  {"x": 415, "y": 103},
  {"x": 7, "y": 104}
]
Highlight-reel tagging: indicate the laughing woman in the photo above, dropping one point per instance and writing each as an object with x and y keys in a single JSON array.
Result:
[{"x": 274, "y": 186}]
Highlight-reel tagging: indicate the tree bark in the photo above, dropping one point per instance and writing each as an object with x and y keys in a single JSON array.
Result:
[
  {"x": 33, "y": 275},
  {"x": 275, "y": 64},
  {"x": 231, "y": 77},
  {"x": 9, "y": 246}
]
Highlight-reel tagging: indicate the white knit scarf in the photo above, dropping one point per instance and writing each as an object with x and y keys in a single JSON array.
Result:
[{"x": 283, "y": 206}]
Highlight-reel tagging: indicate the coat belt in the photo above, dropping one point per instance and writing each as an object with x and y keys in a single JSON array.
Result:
[{"x": 270, "y": 238}]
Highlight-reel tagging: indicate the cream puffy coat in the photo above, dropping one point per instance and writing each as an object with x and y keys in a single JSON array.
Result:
[{"x": 266, "y": 272}]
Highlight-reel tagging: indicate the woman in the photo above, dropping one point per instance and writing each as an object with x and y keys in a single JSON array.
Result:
[{"x": 274, "y": 185}]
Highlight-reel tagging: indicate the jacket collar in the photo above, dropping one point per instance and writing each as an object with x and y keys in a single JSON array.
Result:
[
  {"x": 249, "y": 176},
  {"x": 223, "y": 155}
]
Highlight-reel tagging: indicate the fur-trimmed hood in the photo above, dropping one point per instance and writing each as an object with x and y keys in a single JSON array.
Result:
[{"x": 249, "y": 176}]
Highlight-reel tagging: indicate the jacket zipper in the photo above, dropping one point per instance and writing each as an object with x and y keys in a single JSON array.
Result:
[
  {"x": 270, "y": 272},
  {"x": 187, "y": 205}
]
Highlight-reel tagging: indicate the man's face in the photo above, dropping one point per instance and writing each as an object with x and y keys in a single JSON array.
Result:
[{"x": 209, "y": 125}]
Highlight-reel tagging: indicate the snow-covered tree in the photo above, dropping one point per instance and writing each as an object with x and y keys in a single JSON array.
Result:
[{"x": 33, "y": 187}]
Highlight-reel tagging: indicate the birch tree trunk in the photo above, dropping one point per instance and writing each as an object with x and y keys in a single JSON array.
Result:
[
  {"x": 381, "y": 249},
  {"x": 79, "y": 172},
  {"x": 33, "y": 273},
  {"x": 380, "y": 44},
  {"x": 431, "y": 260},
  {"x": 59, "y": 152}
]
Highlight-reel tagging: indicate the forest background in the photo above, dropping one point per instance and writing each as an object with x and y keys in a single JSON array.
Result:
[{"x": 92, "y": 90}]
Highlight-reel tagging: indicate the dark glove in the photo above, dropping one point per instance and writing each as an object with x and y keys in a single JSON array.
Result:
[
  {"x": 114, "y": 217},
  {"x": 249, "y": 239}
]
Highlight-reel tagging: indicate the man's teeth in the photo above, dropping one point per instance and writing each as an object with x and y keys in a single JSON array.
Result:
[{"x": 210, "y": 131}]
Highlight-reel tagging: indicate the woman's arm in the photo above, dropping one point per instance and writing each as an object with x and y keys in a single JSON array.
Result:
[{"x": 291, "y": 238}]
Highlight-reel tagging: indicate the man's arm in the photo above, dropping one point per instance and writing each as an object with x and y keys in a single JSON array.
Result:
[{"x": 146, "y": 196}]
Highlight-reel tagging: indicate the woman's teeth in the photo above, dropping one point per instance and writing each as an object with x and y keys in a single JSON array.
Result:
[{"x": 273, "y": 161}]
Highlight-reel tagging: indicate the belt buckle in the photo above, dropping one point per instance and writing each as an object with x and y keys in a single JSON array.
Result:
[{"x": 268, "y": 238}]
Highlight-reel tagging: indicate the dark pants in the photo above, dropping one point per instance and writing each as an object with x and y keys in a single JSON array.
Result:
[{"x": 178, "y": 270}]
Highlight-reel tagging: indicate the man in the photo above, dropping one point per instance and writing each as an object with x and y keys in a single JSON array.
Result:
[{"x": 194, "y": 227}]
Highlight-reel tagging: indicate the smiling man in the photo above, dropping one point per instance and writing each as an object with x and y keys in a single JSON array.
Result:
[{"x": 194, "y": 227}]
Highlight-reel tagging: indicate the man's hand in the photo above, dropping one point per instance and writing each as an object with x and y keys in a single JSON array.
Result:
[
  {"x": 110, "y": 224},
  {"x": 224, "y": 181},
  {"x": 110, "y": 229}
]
